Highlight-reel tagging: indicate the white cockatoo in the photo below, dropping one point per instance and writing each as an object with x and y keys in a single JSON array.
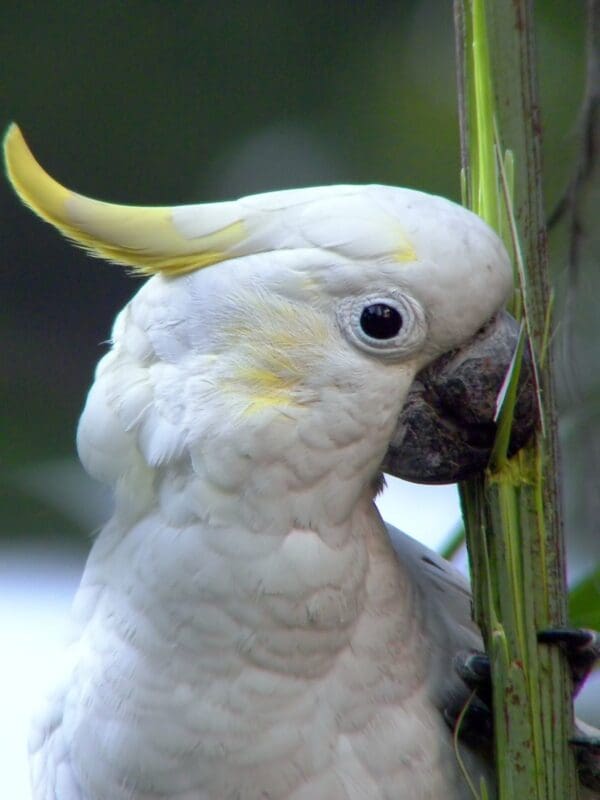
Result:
[{"x": 246, "y": 627}]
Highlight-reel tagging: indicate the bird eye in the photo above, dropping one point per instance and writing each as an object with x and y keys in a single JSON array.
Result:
[
  {"x": 390, "y": 325},
  {"x": 381, "y": 321}
]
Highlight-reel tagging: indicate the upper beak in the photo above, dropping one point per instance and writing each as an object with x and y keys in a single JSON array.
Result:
[{"x": 447, "y": 427}]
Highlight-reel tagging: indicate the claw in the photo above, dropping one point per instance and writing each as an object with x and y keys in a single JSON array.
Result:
[
  {"x": 476, "y": 723},
  {"x": 574, "y": 639},
  {"x": 587, "y": 752},
  {"x": 475, "y": 671},
  {"x": 591, "y": 744},
  {"x": 473, "y": 668},
  {"x": 581, "y": 646},
  {"x": 582, "y": 649},
  {"x": 475, "y": 714}
]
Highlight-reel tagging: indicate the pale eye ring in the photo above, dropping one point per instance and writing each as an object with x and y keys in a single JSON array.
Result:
[{"x": 390, "y": 324}]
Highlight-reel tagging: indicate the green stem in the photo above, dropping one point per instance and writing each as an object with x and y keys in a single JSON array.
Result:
[{"x": 512, "y": 513}]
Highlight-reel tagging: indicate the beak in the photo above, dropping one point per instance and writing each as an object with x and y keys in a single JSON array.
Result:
[{"x": 447, "y": 427}]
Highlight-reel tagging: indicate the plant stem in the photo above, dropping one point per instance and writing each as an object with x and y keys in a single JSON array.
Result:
[{"x": 512, "y": 513}]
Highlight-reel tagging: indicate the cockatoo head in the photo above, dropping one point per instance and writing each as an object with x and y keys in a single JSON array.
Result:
[{"x": 286, "y": 327}]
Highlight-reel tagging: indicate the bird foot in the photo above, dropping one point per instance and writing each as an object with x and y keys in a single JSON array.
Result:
[
  {"x": 581, "y": 647},
  {"x": 587, "y": 753},
  {"x": 473, "y": 715},
  {"x": 582, "y": 650}
]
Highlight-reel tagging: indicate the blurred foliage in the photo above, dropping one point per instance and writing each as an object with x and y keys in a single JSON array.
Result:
[
  {"x": 148, "y": 101},
  {"x": 584, "y": 608}
]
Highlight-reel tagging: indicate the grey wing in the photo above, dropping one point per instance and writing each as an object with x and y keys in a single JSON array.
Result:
[
  {"x": 445, "y": 608},
  {"x": 445, "y": 600}
]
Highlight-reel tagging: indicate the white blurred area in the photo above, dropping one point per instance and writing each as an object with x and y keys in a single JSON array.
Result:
[
  {"x": 37, "y": 586},
  {"x": 37, "y": 589}
]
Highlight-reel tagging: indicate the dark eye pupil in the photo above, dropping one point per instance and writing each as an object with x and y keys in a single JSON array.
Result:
[{"x": 380, "y": 321}]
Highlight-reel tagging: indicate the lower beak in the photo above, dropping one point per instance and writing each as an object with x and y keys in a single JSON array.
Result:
[{"x": 447, "y": 427}]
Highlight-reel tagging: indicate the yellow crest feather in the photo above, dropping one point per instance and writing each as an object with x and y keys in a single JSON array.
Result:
[{"x": 144, "y": 238}]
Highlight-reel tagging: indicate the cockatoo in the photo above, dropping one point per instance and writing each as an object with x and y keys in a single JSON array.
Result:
[{"x": 246, "y": 627}]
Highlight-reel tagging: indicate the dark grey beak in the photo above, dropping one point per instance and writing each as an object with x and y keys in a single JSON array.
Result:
[{"x": 446, "y": 430}]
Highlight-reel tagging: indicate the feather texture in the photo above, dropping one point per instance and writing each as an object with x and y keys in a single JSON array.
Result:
[{"x": 246, "y": 628}]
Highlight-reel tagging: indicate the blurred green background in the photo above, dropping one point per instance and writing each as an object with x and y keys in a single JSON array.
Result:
[{"x": 165, "y": 102}]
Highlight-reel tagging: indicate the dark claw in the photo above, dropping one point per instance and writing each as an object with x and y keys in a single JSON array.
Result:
[
  {"x": 581, "y": 647},
  {"x": 476, "y": 672},
  {"x": 587, "y": 752},
  {"x": 476, "y": 724},
  {"x": 590, "y": 744},
  {"x": 574, "y": 638},
  {"x": 474, "y": 668}
]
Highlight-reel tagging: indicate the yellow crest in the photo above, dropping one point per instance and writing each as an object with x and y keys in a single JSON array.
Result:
[{"x": 144, "y": 238}]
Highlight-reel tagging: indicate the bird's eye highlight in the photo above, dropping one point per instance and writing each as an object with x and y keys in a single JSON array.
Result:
[
  {"x": 390, "y": 325},
  {"x": 380, "y": 321}
]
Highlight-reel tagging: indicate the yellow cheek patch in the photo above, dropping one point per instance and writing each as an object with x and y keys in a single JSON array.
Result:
[
  {"x": 271, "y": 382},
  {"x": 266, "y": 389},
  {"x": 276, "y": 331},
  {"x": 262, "y": 382},
  {"x": 259, "y": 389},
  {"x": 275, "y": 349}
]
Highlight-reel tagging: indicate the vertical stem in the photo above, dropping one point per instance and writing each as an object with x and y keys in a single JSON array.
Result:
[{"x": 513, "y": 514}]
